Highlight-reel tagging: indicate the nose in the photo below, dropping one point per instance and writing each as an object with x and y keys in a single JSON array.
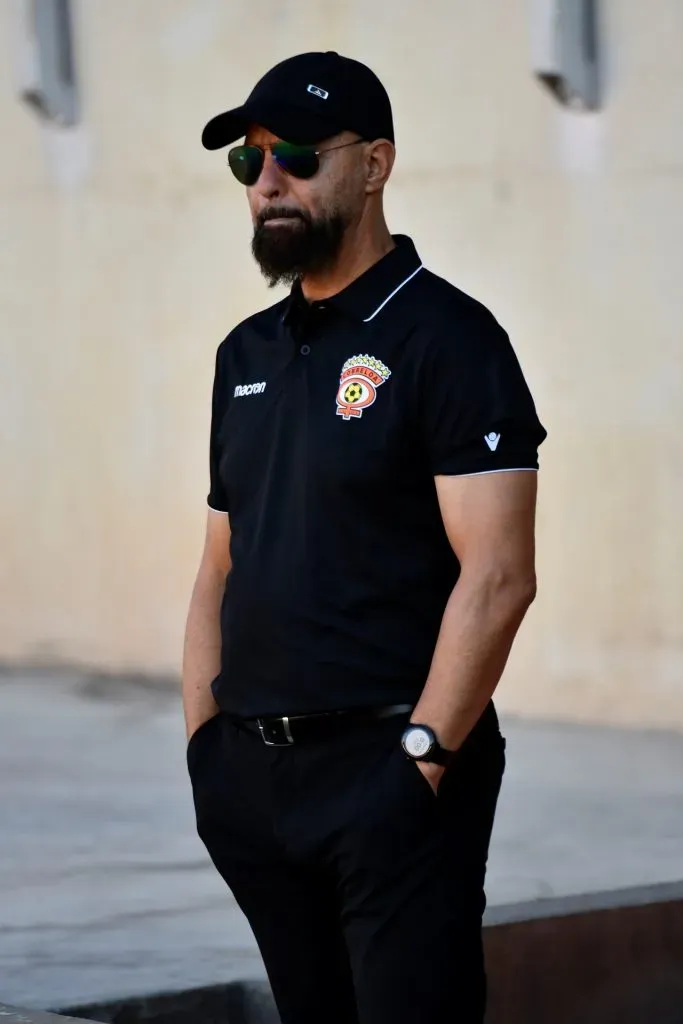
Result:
[{"x": 271, "y": 182}]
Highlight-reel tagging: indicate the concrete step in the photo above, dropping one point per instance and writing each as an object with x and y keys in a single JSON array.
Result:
[{"x": 604, "y": 958}]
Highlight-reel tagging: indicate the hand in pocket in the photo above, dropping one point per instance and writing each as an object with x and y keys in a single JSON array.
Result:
[{"x": 433, "y": 773}]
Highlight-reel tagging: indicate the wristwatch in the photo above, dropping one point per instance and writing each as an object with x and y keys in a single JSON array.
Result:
[{"x": 419, "y": 742}]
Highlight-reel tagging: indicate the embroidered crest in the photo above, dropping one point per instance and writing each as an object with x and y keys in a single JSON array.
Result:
[{"x": 360, "y": 378}]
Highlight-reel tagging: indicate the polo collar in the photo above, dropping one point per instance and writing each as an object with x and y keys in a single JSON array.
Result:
[{"x": 368, "y": 295}]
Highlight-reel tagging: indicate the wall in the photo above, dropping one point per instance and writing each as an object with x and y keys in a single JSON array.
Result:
[{"x": 124, "y": 261}]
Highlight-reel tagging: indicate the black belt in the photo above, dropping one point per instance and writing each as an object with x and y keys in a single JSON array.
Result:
[{"x": 289, "y": 729}]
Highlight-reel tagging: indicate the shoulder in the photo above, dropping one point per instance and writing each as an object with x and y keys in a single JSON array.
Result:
[
  {"x": 453, "y": 324},
  {"x": 449, "y": 306}
]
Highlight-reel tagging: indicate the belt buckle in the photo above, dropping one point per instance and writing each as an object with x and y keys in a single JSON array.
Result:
[{"x": 275, "y": 732}]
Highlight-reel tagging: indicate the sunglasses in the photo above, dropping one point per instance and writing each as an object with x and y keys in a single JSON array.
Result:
[{"x": 246, "y": 162}]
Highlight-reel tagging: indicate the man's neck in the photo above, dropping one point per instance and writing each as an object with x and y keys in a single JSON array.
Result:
[{"x": 360, "y": 250}]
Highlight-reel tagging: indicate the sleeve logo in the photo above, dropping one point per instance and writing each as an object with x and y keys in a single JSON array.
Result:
[{"x": 360, "y": 378}]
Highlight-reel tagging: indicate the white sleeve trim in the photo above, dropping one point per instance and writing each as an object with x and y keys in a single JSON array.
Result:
[
  {"x": 488, "y": 472},
  {"x": 218, "y": 510}
]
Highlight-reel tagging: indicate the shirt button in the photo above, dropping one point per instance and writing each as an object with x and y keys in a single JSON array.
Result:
[{"x": 305, "y": 350}]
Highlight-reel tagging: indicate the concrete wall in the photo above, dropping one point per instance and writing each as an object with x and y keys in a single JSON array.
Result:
[{"x": 124, "y": 261}]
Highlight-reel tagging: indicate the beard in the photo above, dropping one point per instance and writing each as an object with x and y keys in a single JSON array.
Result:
[{"x": 304, "y": 245}]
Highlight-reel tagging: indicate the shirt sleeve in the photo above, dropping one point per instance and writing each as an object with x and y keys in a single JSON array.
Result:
[
  {"x": 477, "y": 412},
  {"x": 217, "y": 498}
]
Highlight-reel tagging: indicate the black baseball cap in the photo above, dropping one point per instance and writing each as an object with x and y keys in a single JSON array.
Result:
[{"x": 309, "y": 98}]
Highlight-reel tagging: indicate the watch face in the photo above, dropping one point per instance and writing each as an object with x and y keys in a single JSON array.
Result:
[{"x": 417, "y": 741}]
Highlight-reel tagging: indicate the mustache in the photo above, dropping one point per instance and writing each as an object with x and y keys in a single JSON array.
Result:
[{"x": 280, "y": 213}]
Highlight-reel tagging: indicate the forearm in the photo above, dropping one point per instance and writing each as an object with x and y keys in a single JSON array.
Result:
[
  {"x": 202, "y": 650},
  {"x": 477, "y": 631}
]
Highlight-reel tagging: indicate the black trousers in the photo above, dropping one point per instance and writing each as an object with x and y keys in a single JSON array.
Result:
[{"x": 364, "y": 889}]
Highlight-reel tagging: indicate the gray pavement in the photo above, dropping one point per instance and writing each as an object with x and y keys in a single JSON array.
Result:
[
  {"x": 105, "y": 890},
  {"x": 11, "y": 1015}
]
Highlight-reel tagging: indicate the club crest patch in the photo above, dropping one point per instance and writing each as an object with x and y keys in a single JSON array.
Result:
[{"x": 360, "y": 378}]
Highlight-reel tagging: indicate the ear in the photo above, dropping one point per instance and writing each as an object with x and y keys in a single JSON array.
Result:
[{"x": 380, "y": 156}]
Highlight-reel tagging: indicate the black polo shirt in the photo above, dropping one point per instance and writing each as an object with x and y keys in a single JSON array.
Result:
[{"x": 330, "y": 421}]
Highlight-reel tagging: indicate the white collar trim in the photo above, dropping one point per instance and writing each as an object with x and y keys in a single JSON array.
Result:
[{"x": 390, "y": 297}]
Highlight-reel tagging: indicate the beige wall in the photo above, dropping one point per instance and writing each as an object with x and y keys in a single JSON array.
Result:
[{"x": 124, "y": 261}]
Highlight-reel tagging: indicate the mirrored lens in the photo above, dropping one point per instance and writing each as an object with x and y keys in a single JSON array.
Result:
[
  {"x": 299, "y": 161},
  {"x": 246, "y": 163}
]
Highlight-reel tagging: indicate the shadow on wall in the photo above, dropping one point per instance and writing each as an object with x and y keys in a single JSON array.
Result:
[{"x": 616, "y": 964}]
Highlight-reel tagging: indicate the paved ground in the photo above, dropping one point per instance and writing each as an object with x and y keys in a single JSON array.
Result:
[
  {"x": 106, "y": 891},
  {"x": 11, "y": 1015}
]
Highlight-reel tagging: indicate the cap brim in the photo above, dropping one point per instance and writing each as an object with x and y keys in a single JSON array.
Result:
[
  {"x": 225, "y": 128},
  {"x": 288, "y": 122}
]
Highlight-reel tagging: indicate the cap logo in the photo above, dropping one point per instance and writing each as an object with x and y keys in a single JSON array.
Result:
[{"x": 317, "y": 91}]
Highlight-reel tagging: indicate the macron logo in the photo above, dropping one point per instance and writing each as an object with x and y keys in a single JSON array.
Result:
[
  {"x": 250, "y": 389},
  {"x": 492, "y": 440}
]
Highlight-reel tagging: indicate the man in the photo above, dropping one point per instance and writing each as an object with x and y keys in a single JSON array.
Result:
[{"x": 369, "y": 558}]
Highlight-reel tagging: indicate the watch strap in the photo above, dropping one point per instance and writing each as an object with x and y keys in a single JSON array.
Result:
[{"x": 439, "y": 755}]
